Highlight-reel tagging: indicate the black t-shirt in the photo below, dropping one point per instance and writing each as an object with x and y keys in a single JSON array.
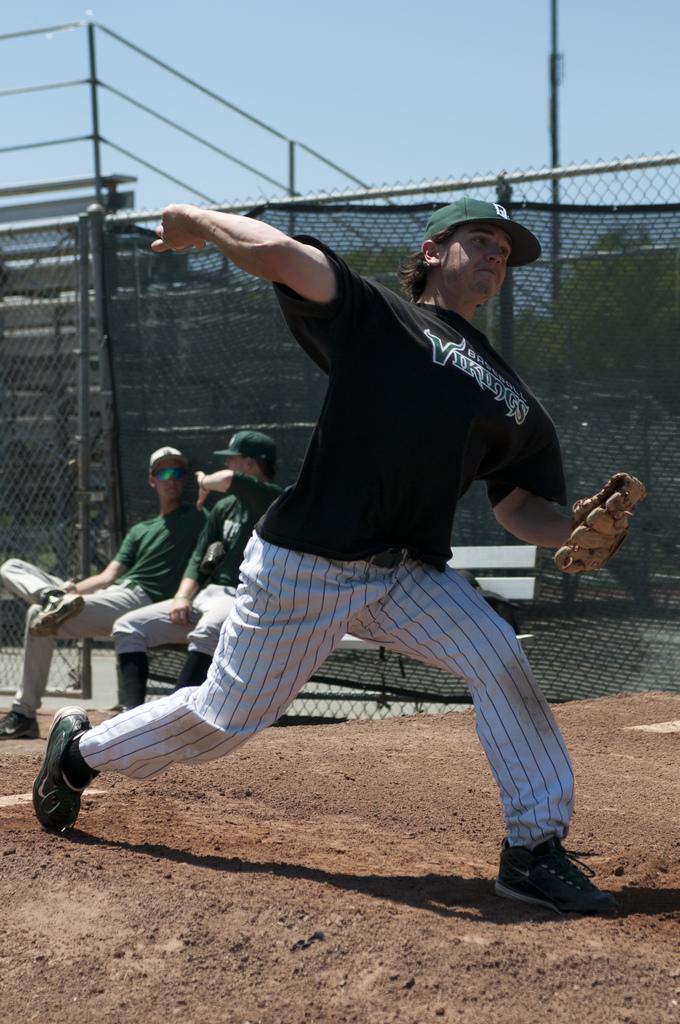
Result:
[{"x": 418, "y": 406}]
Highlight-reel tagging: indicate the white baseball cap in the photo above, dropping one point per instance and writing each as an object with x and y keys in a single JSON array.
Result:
[{"x": 166, "y": 453}]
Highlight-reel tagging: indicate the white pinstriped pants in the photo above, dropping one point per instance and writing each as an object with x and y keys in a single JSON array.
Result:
[{"x": 291, "y": 610}]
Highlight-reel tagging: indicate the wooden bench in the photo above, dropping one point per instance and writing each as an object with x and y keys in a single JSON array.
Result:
[{"x": 362, "y": 671}]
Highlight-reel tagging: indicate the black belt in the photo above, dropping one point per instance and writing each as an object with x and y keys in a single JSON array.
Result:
[{"x": 388, "y": 558}]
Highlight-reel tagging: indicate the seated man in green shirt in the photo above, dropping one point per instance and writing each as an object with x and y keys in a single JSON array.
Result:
[
  {"x": 203, "y": 599},
  {"x": 147, "y": 567}
]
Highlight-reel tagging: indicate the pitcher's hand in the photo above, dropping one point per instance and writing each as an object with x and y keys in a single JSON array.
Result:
[{"x": 179, "y": 229}]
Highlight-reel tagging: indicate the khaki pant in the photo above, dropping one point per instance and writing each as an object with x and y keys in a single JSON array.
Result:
[
  {"x": 94, "y": 621},
  {"x": 151, "y": 626}
]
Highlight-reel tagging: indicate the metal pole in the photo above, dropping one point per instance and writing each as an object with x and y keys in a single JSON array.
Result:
[
  {"x": 291, "y": 183},
  {"x": 83, "y": 437},
  {"x": 108, "y": 406},
  {"x": 95, "y": 114},
  {"x": 554, "y": 84},
  {"x": 555, "y": 78},
  {"x": 291, "y": 167},
  {"x": 506, "y": 297}
]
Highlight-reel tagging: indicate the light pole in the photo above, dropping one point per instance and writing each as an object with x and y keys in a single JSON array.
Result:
[{"x": 555, "y": 80}]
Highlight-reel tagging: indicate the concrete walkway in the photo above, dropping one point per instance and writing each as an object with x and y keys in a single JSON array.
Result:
[
  {"x": 105, "y": 697},
  {"x": 104, "y": 688}
]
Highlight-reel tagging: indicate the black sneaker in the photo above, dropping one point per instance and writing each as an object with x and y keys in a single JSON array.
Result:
[
  {"x": 58, "y": 607},
  {"x": 49, "y": 595},
  {"x": 56, "y": 803},
  {"x": 15, "y": 726},
  {"x": 550, "y": 877}
]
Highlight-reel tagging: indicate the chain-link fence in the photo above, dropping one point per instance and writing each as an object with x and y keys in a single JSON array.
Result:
[
  {"x": 57, "y": 495},
  {"x": 199, "y": 350},
  {"x": 39, "y": 410}
]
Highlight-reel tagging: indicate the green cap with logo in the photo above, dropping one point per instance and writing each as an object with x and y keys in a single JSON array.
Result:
[
  {"x": 525, "y": 246},
  {"x": 250, "y": 443}
]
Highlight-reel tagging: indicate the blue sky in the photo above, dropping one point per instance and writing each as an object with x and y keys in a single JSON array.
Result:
[{"x": 395, "y": 92}]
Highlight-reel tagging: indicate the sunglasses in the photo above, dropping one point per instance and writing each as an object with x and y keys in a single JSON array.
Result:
[{"x": 170, "y": 473}]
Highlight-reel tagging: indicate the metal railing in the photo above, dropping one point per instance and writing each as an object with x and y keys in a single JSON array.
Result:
[{"x": 94, "y": 83}]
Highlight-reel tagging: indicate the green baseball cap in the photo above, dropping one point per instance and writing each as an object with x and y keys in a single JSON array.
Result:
[
  {"x": 250, "y": 443},
  {"x": 525, "y": 246}
]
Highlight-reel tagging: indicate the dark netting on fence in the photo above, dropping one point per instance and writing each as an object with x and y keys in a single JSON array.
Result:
[{"x": 200, "y": 350}]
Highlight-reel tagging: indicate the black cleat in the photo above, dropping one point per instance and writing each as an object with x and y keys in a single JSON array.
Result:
[
  {"x": 15, "y": 726},
  {"x": 55, "y": 802},
  {"x": 550, "y": 877},
  {"x": 58, "y": 607}
]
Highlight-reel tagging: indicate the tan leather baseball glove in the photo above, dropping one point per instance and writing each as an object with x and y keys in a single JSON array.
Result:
[{"x": 600, "y": 524}]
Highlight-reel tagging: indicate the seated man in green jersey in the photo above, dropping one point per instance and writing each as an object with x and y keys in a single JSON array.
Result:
[{"x": 146, "y": 568}]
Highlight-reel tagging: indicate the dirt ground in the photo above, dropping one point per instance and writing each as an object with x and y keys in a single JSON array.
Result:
[{"x": 344, "y": 873}]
